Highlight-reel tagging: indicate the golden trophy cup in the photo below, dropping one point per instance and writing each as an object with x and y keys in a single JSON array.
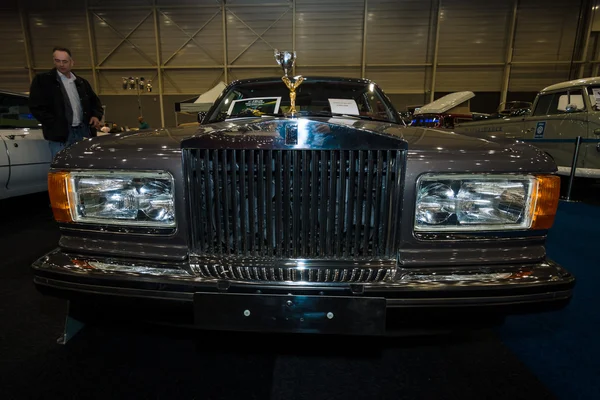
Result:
[{"x": 286, "y": 60}]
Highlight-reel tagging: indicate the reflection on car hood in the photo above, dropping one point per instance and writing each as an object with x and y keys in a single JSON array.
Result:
[{"x": 272, "y": 132}]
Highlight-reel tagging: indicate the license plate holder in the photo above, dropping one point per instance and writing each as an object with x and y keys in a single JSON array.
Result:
[{"x": 290, "y": 313}]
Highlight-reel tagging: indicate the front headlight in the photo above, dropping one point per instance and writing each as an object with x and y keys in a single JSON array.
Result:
[
  {"x": 142, "y": 199},
  {"x": 486, "y": 202}
]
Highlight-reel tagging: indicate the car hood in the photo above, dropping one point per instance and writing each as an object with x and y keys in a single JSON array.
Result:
[{"x": 293, "y": 133}]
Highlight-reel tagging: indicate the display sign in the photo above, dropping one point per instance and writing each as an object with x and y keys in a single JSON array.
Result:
[
  {"x": 344, "y": 106},
  {"x": 254, "y": 106}
]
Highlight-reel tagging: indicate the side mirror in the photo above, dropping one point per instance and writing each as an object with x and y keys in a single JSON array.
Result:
[
  {"x": 571, "y": 108},
  {"x": 201, "y": 116}
]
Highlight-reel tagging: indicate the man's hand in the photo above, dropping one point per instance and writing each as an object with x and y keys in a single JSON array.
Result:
[{"x": 95, "y": 123}]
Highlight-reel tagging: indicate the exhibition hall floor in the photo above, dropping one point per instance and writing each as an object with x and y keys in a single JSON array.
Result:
[{"x": 546, "y": 356}]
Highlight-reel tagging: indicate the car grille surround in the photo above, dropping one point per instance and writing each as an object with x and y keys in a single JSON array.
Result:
[{"x": 294, "y": 205}]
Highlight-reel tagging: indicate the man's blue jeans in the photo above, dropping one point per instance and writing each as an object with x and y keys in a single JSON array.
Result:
[{"x": 76, "y": 133}]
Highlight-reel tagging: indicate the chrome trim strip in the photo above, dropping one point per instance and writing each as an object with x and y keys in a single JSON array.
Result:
[
  {"x": 424, "y": 279},
  {"x": 107, "y": 290},
  {"x": 390, "y": 303}
]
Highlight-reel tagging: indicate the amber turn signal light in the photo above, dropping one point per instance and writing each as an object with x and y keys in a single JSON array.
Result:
[
  {"x": 545, "y": 201},
  {"x": 59, "y": 189}
]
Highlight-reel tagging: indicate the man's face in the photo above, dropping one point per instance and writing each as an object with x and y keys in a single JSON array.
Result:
[{"x": 62, "y": 61}]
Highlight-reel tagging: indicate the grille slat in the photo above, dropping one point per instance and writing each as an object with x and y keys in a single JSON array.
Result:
[
  {"x": 341, "y": 204},
  {"x": 305, "y": 203},
  {"x": 261, "y": 204},
  {"x": 286, "y": 203},
  {"x": 208, "y": 200},
  {"x": 350, "y": 206},
  {"x": 283, "y": 204},
  {"x": 234, "y": 192},
  {"x": 269, "y": 198},
  {"x": 217, "y": 193},
  {"x": 314, "y": 203},
  {"x": 359, "y": 203},
  {"x": 378, "y": 186},
  {"x": 386, "y": 206},
  {"x": 226, "y": 203},
  {"x": 368, "y": 202},
  {"x": 331, "y": 220},
  {"x": 278, "y": 204},
  {"x": 251, "y": 207},
  {"x": 290, "y": 274},
  {"x": 197, "y": 235},
  {"x": 296, "y": 244},
  {"x": 243, "y": 210}
]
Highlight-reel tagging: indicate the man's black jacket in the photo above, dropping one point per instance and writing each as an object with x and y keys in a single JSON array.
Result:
[{"x": 47, "y": 104}]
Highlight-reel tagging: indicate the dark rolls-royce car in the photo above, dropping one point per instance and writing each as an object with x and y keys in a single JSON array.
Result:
[{"x": 330, "y": 217}]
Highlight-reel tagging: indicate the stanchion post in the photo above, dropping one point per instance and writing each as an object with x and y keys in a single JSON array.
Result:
[{"x": 573, "y": 166}]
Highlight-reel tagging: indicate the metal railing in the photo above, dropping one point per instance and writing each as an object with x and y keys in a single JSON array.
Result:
[{"x": 577, "y": 142}]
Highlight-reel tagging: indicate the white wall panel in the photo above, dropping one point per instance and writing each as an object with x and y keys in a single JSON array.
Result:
[
  {"x": 536, "y": 77},
  {"x": 243, "y": 25},
  {"x": 112, "y": 26},
  {"x": 178, "y": 25},
  {"x": 245, "y": 73},
  {"x": 345, "y": 72},
  {"x": 190, "y": 3},
  {"x": 13, "y": 42},
  {"x": 191, "y": 81},
  {"x": 546, "y": 30},
  {"x": 474, "y": 31},
  {"x": 329, "y": 41},
  {"x": 17, "y": 81},
  {"x": 45, "y": 5},
  {"x": 329, "y": 32},
  {"x": 64, "y": 28},
  {"x": 117, "y": 3},
  {"x": 400, "y": 80},
  {"x": 399, "y": 32},
  {"x": 476, "y": 79}
]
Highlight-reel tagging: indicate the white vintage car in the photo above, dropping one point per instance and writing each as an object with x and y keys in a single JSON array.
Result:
[
  {"x": 24, "y": 154},
  {"x": 560, "y": 114}
]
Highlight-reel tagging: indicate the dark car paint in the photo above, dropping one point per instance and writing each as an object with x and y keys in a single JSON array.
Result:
[{"x": 428, "y": 150}]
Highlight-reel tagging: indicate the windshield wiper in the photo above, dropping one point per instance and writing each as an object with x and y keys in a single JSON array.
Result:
[
  {"x": 333, "y": 114},
  {"x": 224, "y": 117}
]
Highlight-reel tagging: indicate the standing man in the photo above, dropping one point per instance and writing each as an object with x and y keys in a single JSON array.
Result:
[{"x": 65, "y": 104}]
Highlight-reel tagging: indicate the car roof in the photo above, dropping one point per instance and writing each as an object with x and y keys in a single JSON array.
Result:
[{"x": 574, "y": 83}]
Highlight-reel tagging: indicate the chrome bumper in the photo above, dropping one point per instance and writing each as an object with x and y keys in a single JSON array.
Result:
[{"x": 508, "y": 285}]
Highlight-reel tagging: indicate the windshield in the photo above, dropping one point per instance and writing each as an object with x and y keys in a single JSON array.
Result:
[
  {"x": 14, "y": 112},
  {"x": 313, "y": 98}
]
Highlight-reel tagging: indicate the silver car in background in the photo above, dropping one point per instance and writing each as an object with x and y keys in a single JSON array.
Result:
[
  {"x": 24, "y": 153},
  {"x": 560, "y": 114}
]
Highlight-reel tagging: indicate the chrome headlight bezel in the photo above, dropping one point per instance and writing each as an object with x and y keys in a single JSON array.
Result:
[
  {"x": 528, "y": 211},
  {"x": 73, "y": 197}
]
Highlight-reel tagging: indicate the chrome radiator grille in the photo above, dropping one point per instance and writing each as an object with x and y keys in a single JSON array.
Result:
[
  {"x": 287, "y": 274},
  {"x": 302, "y": 204}
]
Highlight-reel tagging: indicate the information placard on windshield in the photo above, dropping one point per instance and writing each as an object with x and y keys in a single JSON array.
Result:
[{"x": 254, "y": 106}]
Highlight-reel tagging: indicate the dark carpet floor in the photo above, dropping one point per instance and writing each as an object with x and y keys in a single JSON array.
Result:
[
  {"x": 563, "y": 348},
  {"x": 149, "y": 362}
]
